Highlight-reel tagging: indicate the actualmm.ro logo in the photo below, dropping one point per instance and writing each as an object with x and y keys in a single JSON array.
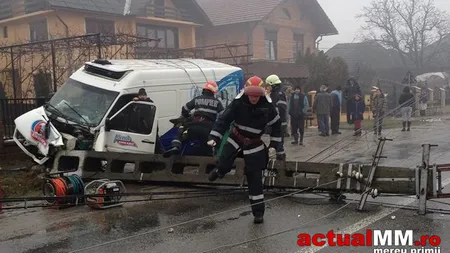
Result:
[{"x": 383, "y": 241}]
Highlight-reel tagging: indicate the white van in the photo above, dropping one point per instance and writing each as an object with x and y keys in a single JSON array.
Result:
[{"x": 92, "y": 109}]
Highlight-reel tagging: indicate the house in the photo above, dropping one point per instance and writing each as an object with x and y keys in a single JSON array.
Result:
[
  {"x": 174, "y": 22},
  {"x": 276, "y": 30}
]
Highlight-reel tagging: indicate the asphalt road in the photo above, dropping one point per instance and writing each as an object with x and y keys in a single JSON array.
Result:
[{"x": 144, "y": 226}]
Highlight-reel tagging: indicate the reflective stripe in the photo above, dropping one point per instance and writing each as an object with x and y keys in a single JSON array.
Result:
[
  {"x": 248, "y": 129},
  {"x": 254, "y": 150},
  {"x": 186, "y": 108},
  {"x": 257, "y": 197},
  {"x": 277, "y": 139},
  {"x": 280, "y": 153},
  {"x": 284, "y": 124},
  {"x": 215, "y": 133},
  {"x": 176, "y": 141},
  {"x": 274, "y": 120},
  {"x": 282, "y": 102},
  {"x": 232, "y": 142},
  {"x": 206, "y": 110}
]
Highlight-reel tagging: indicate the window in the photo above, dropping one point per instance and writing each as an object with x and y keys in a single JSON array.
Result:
[
  {"x": 135, "y": 118},
  {"x": 285, "y": 14},
  {"x": 76, "y": 98},
  {"x": 168, "y": 36},
  {"x": 298, "y": 45},
  {"x": 105, "y": 27},
  {"x": 38, "y": 30},
  {"x": 270, "y": 45},
  {"x": 5, "y": 32}
]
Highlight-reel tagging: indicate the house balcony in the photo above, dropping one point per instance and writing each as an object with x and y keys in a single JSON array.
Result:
[{"x": 164, "y": 12}]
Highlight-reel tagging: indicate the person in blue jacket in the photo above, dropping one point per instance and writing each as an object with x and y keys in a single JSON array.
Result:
[{"x": 298, "y": 107}]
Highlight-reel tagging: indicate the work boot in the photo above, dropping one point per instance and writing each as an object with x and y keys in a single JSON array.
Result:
[
  {"x": 301, "y": 140},
  {"x": 404, "y": 126},
  {"x": 409, "y": 126},
  {"x": 294, "y": 142},
  {"x": 214, "y": 175},
  {"x": 170, "y": 152},
  {"x": 258, "y": 219}
]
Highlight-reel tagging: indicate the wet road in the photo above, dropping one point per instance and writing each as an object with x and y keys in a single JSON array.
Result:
[{"x": 77, "y": 228}]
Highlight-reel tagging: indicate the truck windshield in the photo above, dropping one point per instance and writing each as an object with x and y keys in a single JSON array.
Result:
[{"x": 82, "y": 103}]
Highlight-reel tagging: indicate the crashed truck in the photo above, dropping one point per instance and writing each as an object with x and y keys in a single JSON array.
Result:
[{"x": 90, "y": 112}]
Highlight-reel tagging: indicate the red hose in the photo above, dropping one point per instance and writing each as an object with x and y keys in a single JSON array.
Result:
[{"x": 60, "y": 188}]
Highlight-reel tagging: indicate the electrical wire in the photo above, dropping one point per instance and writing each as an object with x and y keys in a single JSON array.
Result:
[
  {"x": 197, "y": 219},
  {"x": 278, "y": 233}
]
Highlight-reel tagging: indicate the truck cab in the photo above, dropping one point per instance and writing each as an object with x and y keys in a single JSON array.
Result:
[{"x": 95, "y": 110}]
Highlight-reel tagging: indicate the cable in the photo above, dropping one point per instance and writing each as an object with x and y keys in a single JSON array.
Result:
[
  {"x": 278, "y": 233},
  {"x": 196, "y": 219}
]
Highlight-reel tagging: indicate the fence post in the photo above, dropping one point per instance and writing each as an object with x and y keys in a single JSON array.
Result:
[
  {"x": 55, "y": 86},
  {"x": 2, "y": 126},
  {"x": 99, "y": 44},
  {"x": 13, "y": 73}
]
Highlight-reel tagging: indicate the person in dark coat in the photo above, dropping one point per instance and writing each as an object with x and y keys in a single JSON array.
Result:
[
  {"x": 336, "y": 101},
  {"x": 350, "y": 90},
  {"x": 298, "y": 107},
  {"x": 249, "y": 114},
  {"x": 406, "y": 100},
  {"x": 206, "y": 109},
  {"x": 357, "y": 113},
  {"x": 322, "y": 108}
]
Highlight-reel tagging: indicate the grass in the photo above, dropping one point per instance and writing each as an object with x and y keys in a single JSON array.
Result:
[{"x": 20, "y": 184}]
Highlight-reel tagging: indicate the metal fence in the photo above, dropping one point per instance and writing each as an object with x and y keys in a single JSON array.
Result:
[
  {"x": 10, "y": 109},
  {"x": 37, "y": 69}
]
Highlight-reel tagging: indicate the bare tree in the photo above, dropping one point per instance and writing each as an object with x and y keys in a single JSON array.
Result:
[{"x": 407, "y": 26}]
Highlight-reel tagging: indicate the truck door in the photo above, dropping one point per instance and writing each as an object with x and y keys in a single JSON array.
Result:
[{"x": 132, "y": 129}]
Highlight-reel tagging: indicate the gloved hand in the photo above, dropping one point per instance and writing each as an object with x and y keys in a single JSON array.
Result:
[
  {"x": 212, "y": 143},
  {"x": 272, "y": 153},
  {"x": 273, "y": 144}
]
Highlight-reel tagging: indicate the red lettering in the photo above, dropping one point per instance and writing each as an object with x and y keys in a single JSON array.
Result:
[
  {"x": 304, "y": 240},
  {"x": 369, "y": 237},
  {"x": 357, "y": 240},
  {"x": 434, "y": 240},
  {"x": 343, "y": 240},
  {"x": 330, "y": 237},
  {"x": 315, "y": 239},
  {"x": 423, "y": 240}
]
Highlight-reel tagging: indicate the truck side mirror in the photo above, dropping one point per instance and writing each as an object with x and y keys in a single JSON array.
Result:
[{"x": 107, "y": 125}]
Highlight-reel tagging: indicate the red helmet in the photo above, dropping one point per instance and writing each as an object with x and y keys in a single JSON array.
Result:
[
  {"x": 211, "y": 86},
  {"x": 254, "y": 81},
  {"x": 254, "y": 91}
]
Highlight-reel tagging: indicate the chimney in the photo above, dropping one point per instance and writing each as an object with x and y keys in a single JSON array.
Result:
[{"x": 127, "y": 7}]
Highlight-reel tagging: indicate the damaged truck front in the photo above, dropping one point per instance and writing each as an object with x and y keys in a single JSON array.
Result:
[{"x": 68, "y": 121}]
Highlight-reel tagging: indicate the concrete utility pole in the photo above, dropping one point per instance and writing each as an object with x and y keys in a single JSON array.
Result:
[{"x": 127, "y": 8}]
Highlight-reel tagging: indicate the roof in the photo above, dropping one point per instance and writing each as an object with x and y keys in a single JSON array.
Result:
[
  {"x": 102, "y": 6},
  {"x": 226, "y": 12},
  {"x": 282, "y": 69},
  {"x": 137, "y": 7},
  {"x": 367, "y": 53},
  {"x": 166, "y": 64}
]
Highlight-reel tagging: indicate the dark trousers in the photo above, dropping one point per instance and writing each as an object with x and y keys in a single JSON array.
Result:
[
  {"x": 298, "y": 125},
  {"x": 195, "y": 131},
  {"x": 323, "y": 121},
  {"x": 349, "y": 105},
  {"x": 256, "y": 159},
  {"x": 335, "y": 119}
]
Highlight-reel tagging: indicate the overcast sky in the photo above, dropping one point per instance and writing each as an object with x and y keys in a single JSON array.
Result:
[{"x": 342, "y": 13}]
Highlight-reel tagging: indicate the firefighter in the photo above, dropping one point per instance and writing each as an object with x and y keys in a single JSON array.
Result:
[
  {"x": 207, "y": 107},
  {"x": 280, "y": 101},
  {"x": 249, "y": 114}
]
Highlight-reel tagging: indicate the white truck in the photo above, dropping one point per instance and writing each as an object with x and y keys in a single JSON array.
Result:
[{"x": 92, "y": 110}]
